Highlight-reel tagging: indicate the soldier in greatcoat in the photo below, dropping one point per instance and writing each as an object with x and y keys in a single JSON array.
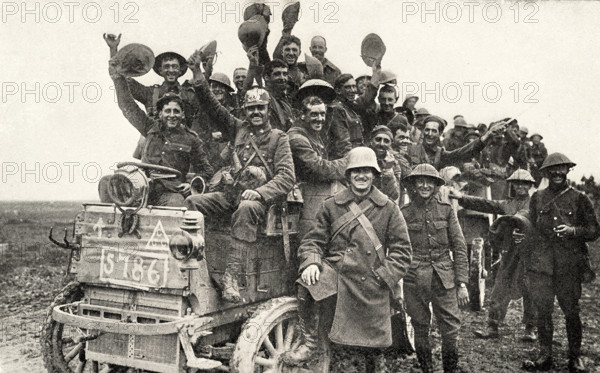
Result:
[{"x": 357, "y": 251}]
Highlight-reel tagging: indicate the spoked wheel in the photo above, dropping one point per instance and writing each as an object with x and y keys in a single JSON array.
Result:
[
  {"x": 477, "y": 275},
  {"x": 63, "y": 346},
  {"x": 271, "y": 331}
]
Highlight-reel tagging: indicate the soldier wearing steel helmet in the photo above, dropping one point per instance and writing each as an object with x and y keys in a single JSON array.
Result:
[
  {"x": 435, "y": 276},
  {"x": 537, "y": 155},
  {"x": 220, "y": 86},
  {"x": 563, "y": 220},
  {"x": 509, "y": 282},
  {"x": 408, "y": 107},
  {"x": 344, "y": 266},
  {"x": 169, "y": 143},
  {"x": 455, "y": 138},
  {"x": 261, "y": 161},
  {"x": 170, "y": 66}
]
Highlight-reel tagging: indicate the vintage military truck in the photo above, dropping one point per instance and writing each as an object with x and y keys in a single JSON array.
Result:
[{"x": 144, "y": 296}]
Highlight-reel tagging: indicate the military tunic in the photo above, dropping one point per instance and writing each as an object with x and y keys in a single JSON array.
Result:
[
  {"x": 556, "y": 264},
  {"x": 177, "y": 147},
  {"x": 274, "y": 148},
  {"x": 432, "y": 277},
  {"x": 314, "y": 172},
  {"x": 148, "y": 96},
  {"x": 344, "y": 127}
]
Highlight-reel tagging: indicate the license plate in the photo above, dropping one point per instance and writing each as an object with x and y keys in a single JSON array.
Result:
[{"x": 134, "y": 268}]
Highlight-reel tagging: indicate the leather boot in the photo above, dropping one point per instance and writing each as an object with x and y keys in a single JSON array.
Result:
[
  {"x": 576, "y": 365},
  {"x": 543, "y": 362},
  {"x": 423, "y": 348},
  {"x": 229, "y": 281},
  {"x": 490, "y": 332},
  {"x": 308, "y": 315},
  {"x": 449, "y": 357},
  {"x": 574, "y": 336},
  {"x": 231, "y": 291},
  {"x": 530, "y": 334}
]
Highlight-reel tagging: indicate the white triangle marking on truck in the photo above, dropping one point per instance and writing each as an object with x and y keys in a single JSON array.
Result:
[{"x": 159, "y": 239}]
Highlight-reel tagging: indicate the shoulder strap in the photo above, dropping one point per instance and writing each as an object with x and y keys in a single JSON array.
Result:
[
  {"x": 344, "y": 220},
  {"x": 262, "y": 159},
  {"x": 368, "y": 227},
  {"x": 551, "y": 202}
]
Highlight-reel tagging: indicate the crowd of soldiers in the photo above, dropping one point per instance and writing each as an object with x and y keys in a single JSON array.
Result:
[{"x": 376, "y": 208}]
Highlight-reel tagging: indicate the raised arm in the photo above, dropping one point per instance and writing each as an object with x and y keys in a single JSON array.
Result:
[
  {"x": 224, "y": 121},
  {"x": 483, "y": 205},
  {"x": 113, "y": 43},
  {"x": 470, "y": 150},
  {"x": 130, "y": 109}
]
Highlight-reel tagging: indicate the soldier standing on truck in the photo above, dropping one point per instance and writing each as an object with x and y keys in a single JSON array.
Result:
[
  {"x": 314, "y": 172},
  {"x": 169, "y": 143},
  {"x": 563, "y": 221},
  {"x": 389, "y": 182},
  {"x": 262, "y": 170},
  {"x": 345, "y": 274},
  {"x": 169, "y": 65},
  {"x": 434, "y": 277},
  {"x": 510, "y": 281}
]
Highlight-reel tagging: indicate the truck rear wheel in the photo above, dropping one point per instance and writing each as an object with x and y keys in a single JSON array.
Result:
[{"x": 267, "y": 334}]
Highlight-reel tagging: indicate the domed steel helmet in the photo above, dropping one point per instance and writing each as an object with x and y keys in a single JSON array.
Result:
[
  {"x": 222, "y": 79},
  {"x": 386, "y": 76},
  {"x": 521, "y": 175},
  {"x": 316, "y": 87},
  {"x": 556, "y": 159},
  {"x": 427, "y": 170},
  {"x": 449, "y": 173},
  {"x": 362, "y": 157}
]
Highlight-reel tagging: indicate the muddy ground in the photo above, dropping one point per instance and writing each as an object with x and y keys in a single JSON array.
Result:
[{"x": 32, "y": 271}]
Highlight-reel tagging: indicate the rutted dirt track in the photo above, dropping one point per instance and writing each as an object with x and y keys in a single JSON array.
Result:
[{"x": 31, "y": 273}]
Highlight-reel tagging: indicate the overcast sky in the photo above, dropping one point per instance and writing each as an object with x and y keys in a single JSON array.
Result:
[{"x": 61, "y": 126}]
